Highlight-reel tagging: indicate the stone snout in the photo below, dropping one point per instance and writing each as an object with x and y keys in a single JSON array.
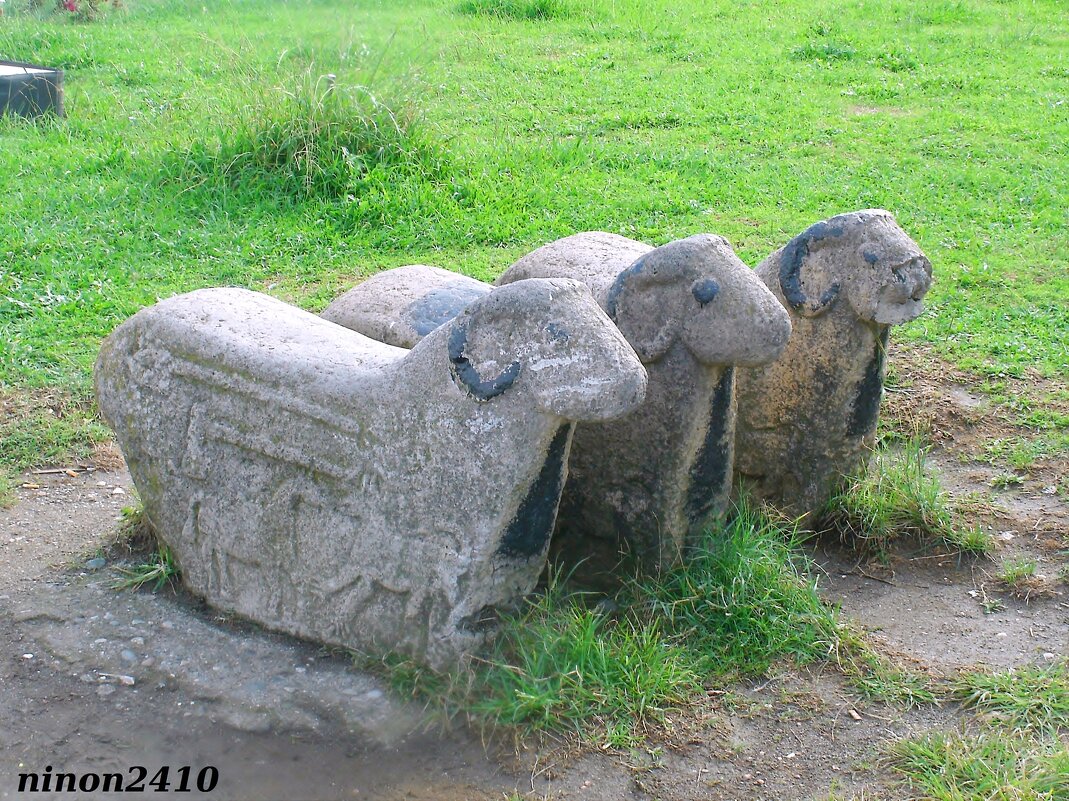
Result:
[
  {"x": 896, "y": 301},
  {"x": 698, "y": 292}
]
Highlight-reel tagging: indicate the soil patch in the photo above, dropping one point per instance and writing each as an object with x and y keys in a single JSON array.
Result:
[{"x": 96, "y": 679}]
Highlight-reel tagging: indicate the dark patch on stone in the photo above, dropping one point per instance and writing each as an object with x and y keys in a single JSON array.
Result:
[
  {"x": 468, "y": 377},
  {"x": 870, "y": 257},
  {"x": 706, "y": 291},
  {"x": 441, "y": 305},
  {"x": 711, "y": 469},
  {"x": 866, "y": 406},
  {"x": 530, "y": 530},
  {"x": 558, "y": 332},
  {"x": 612, "y": 298},
  {"x": 794, "y": 253}
]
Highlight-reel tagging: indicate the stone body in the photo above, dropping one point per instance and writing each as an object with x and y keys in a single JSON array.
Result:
[
  {"x": 692, "y": 310},
  {"x": 810, "y": 417},
  {"x": 401, "y": 306},
  {"x": 340, "y": 489}
]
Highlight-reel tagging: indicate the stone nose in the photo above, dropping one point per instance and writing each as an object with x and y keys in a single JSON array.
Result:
[{"x": 920, "y": 272}]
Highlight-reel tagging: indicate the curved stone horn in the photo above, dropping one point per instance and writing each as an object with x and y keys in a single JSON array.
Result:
[
  {"x": 790, "y": 266},
  {"x": 467, "y": 377}
]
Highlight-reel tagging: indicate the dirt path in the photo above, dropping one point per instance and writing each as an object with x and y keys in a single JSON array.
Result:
[
  {"x": 64, "y": 700},
  {"x": 94, "y": 679}
]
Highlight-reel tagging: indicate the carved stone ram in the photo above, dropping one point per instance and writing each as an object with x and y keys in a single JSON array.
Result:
[
  {"x": 691, "y": 310},
  {"x": 336, "y": 488},
  {"x": 810, "y": 417}
]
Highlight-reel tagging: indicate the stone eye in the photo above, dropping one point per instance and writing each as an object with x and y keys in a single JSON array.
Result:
[{"x": 705, "y": 291}]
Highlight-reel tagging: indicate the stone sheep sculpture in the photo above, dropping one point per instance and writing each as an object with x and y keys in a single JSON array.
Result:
[
  {"x": 336, "y": 488},
  {"x": 691, "y": 309},
  {"x": 650, "y": 481},
  {"x": 810, "y": 417}
]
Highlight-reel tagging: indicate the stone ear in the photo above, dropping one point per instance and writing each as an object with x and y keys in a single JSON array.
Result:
[
  {"x": 801, "y": 269},
  {"x": 636, "y": 303}
]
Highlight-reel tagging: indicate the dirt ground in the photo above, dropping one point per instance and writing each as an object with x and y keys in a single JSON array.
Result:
[{"x": 203, "y": 690}]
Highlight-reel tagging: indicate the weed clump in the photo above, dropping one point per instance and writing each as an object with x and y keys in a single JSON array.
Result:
[
  {"x": 518, "y": 9},
  {"x": 991, "y": 766},
  {"x": 823, "y": 51},
  {"x": 1035, "y": 697},
  {"x": 1019, "y": 578},
  {"x": 315, "y": 138},
  {"x": 896, "y": 496},
  {"x": 563, "y": 664},
  {"x": 741, "y": 601},
  {"x": 159, "y": 567}
]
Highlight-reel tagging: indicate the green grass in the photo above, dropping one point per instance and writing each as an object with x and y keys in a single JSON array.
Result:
[
  {"x": 518, "y": 9},
  {"x": 158, "y": 568},
  {"x": 742, "y": 603},
  {"x": 312, "y": 138},
  {"x": 743, "y": 599},
  {"x": 1016, "y": 572},
  {"x": 1023, "y": 452},
  {"x": 894, "y": 496},
  {"x": 1033, "y": 697},
  {"x": 563, "y": 665},
  {"x": 879, "y": 676},
  {"x": 50, "y": 426},
  {"x": 1019, "y": 751},
  {"x": 201, "y": 150},
  {"x": 991, "y": 766}
]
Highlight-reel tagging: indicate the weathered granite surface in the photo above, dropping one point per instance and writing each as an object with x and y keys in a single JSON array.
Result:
[
  {"x": 810, "y": 417},
  {"x": 336, "y": 488},
  {"x": 401, "y": 306},
  {"x": 692, "y": 311}
]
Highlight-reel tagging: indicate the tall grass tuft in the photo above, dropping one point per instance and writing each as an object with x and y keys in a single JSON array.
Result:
[
  {"x": 1032, "y": 697},
  {"x": 159, "y": 567},
  {"x": 896, "y": 496},
  {"x": 740, "y": 602},
  {"x": 743, "y": 599},
  {"x": 992, "y": 766},
  {"x": 562, "y": 665},
  {"x": 518, "y": 9},
  {"x": 315, "y": 137}
]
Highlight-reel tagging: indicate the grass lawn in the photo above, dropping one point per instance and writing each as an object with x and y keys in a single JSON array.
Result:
[
  {"x": 651, "y": 120},
  {"x": 204, "y": 146}
]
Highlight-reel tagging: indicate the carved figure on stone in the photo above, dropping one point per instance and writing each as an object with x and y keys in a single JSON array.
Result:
[
  {"x": 691, "y": 310},
  {"x": 340, "y": 489},
  {"x": 810, "y": 417}
]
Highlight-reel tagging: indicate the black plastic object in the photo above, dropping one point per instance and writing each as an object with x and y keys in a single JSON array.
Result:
[{"x": 29, "y": 90}]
